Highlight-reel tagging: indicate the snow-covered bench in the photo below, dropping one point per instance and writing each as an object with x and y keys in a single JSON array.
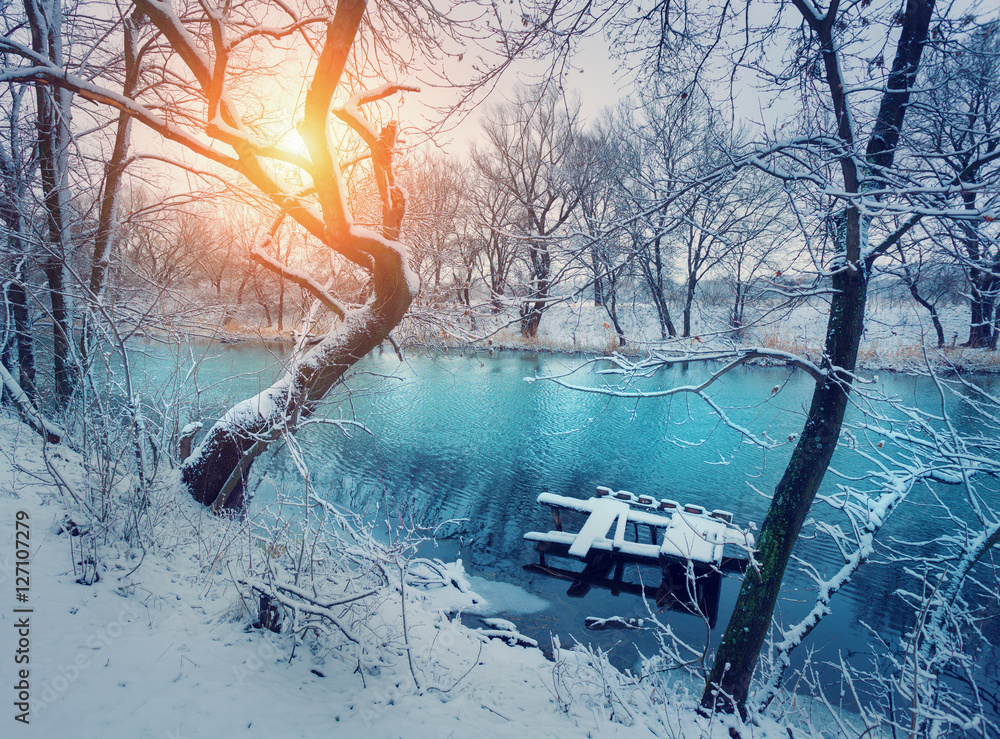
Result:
[{"x": 688, "y": 532}]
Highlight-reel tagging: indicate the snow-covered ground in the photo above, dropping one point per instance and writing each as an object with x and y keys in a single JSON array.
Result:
[
  {"x": 162, "y": 644},
  {"x": 899, "y": 334}
]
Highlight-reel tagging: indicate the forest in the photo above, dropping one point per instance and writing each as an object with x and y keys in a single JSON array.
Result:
[{"x": 801, "y": 191}]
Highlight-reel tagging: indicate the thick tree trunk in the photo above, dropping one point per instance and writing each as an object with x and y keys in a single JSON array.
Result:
[
  {"x": 981, "y": 309},
  {"x": 243, "y": 286},
  {"x": 531, "y": 311},
  {"x": 217, "y": 470},
  {"x": 663, "y": 313},
  {"x": 980, "y": 279},
  {"x": 531, "y": 317},
  {"x": 739, "y": 305},
  {"x": 729, "y": 682},
  {"x": 53, "y": 120},
  {"x": 598, "y": 281}
]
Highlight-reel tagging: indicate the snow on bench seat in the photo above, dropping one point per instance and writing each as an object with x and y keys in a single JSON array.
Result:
[
  {"x": 587, "y": 506},
  {"x": 686, "y": 534},
  {"x": 649, "y": 551},
  {"x": 604, "y": 513},
  {"x": 694, "y": 537}
]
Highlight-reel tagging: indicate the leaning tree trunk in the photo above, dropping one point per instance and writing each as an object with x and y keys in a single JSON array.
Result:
[
  {"x": 663, "y": 314},
  {"x": 911, "y": 283},
  {"x": 217, "y": 470},
  {"x": 729, "y": 683},
  {"x": 935, "y": 318},
  {"x": 654, "y": 281}
]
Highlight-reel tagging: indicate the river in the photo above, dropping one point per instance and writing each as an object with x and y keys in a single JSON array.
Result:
[{"x": 464, "y": 436}]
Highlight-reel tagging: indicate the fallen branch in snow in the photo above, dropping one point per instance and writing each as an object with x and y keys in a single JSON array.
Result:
[
  {"x": 501, "y": 628},
  {"x": 299, "y": 601},
  {"x": 26, "y": 409}
]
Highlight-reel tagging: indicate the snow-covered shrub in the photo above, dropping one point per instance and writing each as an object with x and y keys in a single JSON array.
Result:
[
  {"x": 329, "y": 580},
  {"x": 338, "y": 583},
  {"x": 584, "y": 674}
]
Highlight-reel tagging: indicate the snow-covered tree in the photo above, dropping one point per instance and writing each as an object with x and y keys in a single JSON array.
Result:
[
  {"x": 955, "y": 139},
  {"x": 438, "y": 213},
  {"x": 842, "y": 139},
  {"x": 62, "y": 170},
  {"x": 527, "y": 153},
  {"x": 220, "y": 72}
]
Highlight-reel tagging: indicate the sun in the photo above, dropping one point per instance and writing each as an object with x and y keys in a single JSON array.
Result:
[{"x": 291, "y": 141}]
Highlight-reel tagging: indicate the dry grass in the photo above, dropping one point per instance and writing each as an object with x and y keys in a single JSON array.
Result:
[
  {"x": 895, "y": 355},
  {"x": 894, "y": 339},
  {"x": 775, "y": 338}
]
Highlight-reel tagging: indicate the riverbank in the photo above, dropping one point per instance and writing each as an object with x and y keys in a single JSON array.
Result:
[
  {"x": 899, "y": 336},
  {"x": 162, "y": 643}
]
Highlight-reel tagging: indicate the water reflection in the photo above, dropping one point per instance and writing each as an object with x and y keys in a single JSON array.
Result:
[
  {"x": 694, "y": 592},
  {"x": 464, "y": 437}
]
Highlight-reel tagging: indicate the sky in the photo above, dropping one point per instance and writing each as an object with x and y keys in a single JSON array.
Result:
[{"x": 596, "y": 78}]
